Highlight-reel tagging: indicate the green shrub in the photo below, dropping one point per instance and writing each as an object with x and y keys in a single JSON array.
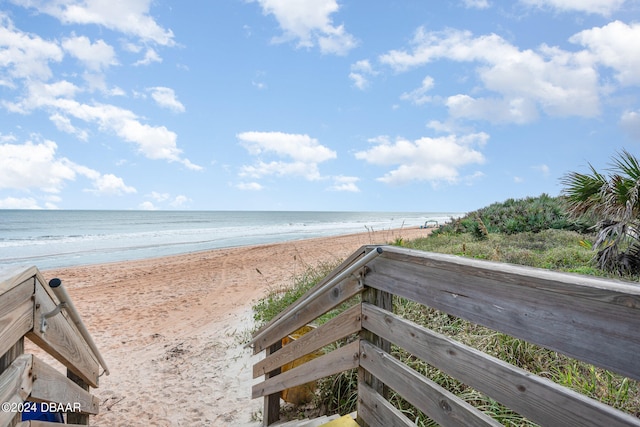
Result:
[{"x": 532, "y": 214}]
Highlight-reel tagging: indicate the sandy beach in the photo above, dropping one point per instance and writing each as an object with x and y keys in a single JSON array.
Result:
[{"x": 172, "y": 329}]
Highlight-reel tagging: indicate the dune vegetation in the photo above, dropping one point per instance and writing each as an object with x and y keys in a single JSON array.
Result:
[{"x": 591, "y": 229}]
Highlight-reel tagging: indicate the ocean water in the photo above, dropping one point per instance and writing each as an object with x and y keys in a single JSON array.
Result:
[{"x": 57, "y": 238}]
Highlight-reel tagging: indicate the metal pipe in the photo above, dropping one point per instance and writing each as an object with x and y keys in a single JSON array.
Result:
[
  {"x": 344, "y": 274},
  {"x": 63, "y": 297}
]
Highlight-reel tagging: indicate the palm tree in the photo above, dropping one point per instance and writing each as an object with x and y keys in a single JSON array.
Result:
[{"x": 614, "y": 202}]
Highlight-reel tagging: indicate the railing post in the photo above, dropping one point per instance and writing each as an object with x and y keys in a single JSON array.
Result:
[
  {"x": 76, "y": 417},
  {"x": 5, "y": 361},
  {"x": 383, "y": 300},
  {"x": 271, "y": 411}
]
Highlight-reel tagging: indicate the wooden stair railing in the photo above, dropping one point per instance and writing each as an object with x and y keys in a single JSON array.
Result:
[
  {"x": 30, "y": 308},
  {"x": 586, "y": 318}
]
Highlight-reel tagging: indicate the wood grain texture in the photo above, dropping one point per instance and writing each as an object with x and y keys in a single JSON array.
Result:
[
  {"x": 50, "y": 385},
  {"x": 536, "y": 398},
  {"x": 271, "y": 406},
  {"x": 375, "y": 411},
  {"x": 339, "y": 327},
  {"x": 13, "y": 276},
  {"x": 439, "y": 404},
  {"x": 16, "y": 313},
  {"x": 339, "y": 360},
  {"x": 63, "y": 340},
  {"x": 15, "y": 385},
  {"x": 590, "y": 319}
]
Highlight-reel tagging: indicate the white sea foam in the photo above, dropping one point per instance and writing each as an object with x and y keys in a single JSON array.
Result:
[{"x": 51, "y": 239}]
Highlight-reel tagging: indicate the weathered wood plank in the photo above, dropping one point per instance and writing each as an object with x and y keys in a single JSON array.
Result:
[
  {"x": 5, "y": 362},
  {"x": 62, "y": 339},
  {"x": 15, "y": 385},
  {"x": 50, "y": 385},
  {"x": 383, "y": 300},
  {"x": 76, "y": 417},
  {"x": 328, "y": 300},
  {"x": 375, "y": 411},
  {"x": 439, "y": 404},
  {"x": 536, "y": 398},
  {"x": 342, "y": 359},
  {"x": 11, "y": 277},
  {"x": 271, "y": 407},
  {"x": 590, "y": 319},
  {"x": 339, "y": 327},
  {"x": 16, "y": 313}
]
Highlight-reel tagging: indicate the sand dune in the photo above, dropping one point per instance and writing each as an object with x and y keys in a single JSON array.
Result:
[{"x": 172, "y": 329}]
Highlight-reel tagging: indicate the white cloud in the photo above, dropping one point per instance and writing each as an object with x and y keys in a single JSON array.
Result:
[
  {"x": 426, "y": 159},
  {"x": 19, "y": 203},
  {"x": 30, "y": 166},
  {"x": 360, "y": 73},
  {"x": 166, "y": 97},
  {"x": 63, "y": 124},
  {"x": 150, "y": 56},
  {"x": 130, "y": 17},
  {"x": 302, "y": 152},
  {"x": 630, "y": 123},
  {"x": 97, "y": 81},
  {"x": 180, "y": 201},
  {"x": 147, "y": 206},
  {"x": 25, "y": 56},
  {"x": 309, "y": 23},
  {"x": 477, "y": 4},
  {"x": 95, "y": 56},
  {"x": 279, "y": 168},
  {"x": 259, "y": 85},
  {"x": 249, "y": 186},
  {"x": 495, "y": 110},
  {"x": 297, "y": 146},
  {"x": 160, "y": 197},
  {"x": 111, "y": 184},
  {"x": 177, "y": 202},
  {"x": 345, "y": 183},
  {"x": 600, "y": 7},
  {"x": 560, "y": 83},
  {"x": 419, "y": 96},
  {"x": 543, "y": 169},
  {"x": 154, "y": 142},
  {"x": 614, "y": 46}
]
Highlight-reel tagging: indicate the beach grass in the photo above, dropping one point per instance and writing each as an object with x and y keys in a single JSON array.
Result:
[{"x": 550, "y": 241}]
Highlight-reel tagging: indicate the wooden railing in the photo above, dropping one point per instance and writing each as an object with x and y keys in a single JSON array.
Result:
[
  {"x": 586, "y": 318},
  {"x": 31, "y": 308}
]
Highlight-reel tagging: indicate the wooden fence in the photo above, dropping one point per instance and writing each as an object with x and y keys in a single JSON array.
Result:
[
  {"x": 586, "y": 318},
  {"x": 31, "y": 308}
]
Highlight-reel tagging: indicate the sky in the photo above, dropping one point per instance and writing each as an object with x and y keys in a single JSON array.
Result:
[{"x": 316, "y": 105}]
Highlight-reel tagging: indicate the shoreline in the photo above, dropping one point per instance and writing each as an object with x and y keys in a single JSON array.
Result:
[{"x": 172, "y": 328}]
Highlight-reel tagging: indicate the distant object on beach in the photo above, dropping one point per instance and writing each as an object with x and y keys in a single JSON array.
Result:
[{"x": 431, "y": 223}]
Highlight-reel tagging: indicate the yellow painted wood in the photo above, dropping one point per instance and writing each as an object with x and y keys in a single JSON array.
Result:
[{"x": 345, "y": 421}]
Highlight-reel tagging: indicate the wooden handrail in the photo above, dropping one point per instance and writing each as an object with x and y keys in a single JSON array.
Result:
[
  {"x": 29, "y": 308},
  {"x": 588, "y": 318},
  {"x": 64, "y": 298}
]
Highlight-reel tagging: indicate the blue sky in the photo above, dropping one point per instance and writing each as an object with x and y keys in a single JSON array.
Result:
[{"x": 310, "y": 104}]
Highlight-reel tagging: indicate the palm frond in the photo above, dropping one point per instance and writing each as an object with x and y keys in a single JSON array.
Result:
[{"x": 615, "y": 201}]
